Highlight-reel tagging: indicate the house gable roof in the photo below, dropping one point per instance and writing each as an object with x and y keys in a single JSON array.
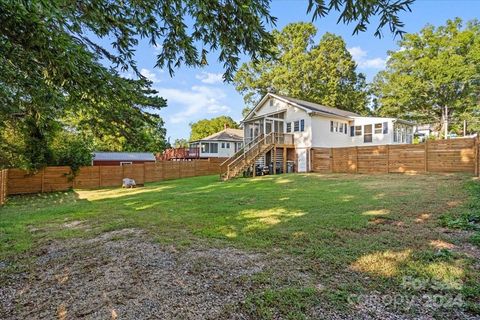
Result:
[
  {"x": 123, "y": 156},
  {"x": 315, "y": 107},
  {"x": 309, "y": 107},
  {"x": 225, "y": 135}
]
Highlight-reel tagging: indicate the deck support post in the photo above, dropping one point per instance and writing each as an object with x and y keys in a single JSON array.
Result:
[{"x": 284, "y": 159}]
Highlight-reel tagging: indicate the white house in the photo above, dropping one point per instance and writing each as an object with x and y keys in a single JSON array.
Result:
[
  {"x": 223, "y": 144},
  {"x": 313, "y": 125}
]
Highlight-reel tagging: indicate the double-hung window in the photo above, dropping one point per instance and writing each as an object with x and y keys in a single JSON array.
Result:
[
  {"x": 367, "y": 133},
  {"x": 358, "y": 130},
  {"x": 213, "y": 147},
  {"x": 296, "y": 126},
  {"x": 302, "y": 125}
]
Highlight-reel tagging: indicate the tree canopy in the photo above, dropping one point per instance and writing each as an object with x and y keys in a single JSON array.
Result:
[
  {"x": 206, "y": 127},
  {"x": 57, "y": 75},
  {"x": 435, "y": 69},
  {"x": 324, "y": 73}
]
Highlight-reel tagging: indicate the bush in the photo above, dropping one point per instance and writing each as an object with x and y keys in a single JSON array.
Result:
[{"x": 71, "y": 149}]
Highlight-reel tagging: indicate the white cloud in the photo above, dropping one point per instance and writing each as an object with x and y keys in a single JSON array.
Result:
[
  {"x": 152, "y": 76},
  {"x": 357, "y": 53},
  {"x": 377, "y": 63},
  {"x": 194, "y": 102},
  {"x": 360, "y": 56},
  {"x": 210, "y": 78}
]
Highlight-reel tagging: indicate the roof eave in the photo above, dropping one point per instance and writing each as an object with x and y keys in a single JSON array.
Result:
[{"x": 330, "y": 115}]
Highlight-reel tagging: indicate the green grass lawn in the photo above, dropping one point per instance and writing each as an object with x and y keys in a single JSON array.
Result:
[{"x": 355, "y": 233}]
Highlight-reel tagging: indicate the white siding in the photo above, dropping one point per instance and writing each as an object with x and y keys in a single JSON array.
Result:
[
  {"x": 317, "y": 131},
  {"x": 302, "y": 139},
  {"x": 323, "y": 137},
  {"x": 377, "y": 139},
  {"x": 222, "y": 152}
]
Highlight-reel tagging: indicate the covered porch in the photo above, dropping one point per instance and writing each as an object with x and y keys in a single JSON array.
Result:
[{"x": 261, "y": 126}]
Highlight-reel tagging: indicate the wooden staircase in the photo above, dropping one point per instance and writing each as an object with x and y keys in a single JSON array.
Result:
[{"x": 247, "y": 156}]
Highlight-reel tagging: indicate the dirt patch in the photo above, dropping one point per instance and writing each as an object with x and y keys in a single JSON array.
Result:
[{"x": 122, "y": 275}]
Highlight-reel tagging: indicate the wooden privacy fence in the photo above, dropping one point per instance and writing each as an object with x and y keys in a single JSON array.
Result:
[
  {"x": 52, "y": 179},
  {"x": 455, "y": 155},
  {"x": 3, "y": 186}
]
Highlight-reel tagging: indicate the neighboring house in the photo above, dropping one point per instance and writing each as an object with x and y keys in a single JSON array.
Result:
[
  {"x": 121, "y": 158},
  {"x": 312, "y": 125},
  {"x": 223, "y": 144},
  {"x": 424, "y": 131}
]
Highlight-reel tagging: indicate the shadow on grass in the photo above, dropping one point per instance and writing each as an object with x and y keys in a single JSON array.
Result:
[{"x": 349, "y": 229}]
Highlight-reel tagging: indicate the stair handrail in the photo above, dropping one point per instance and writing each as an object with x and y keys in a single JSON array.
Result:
[
  {"x": 242, "y": 150},
  {"x": 253, "y": 147}
]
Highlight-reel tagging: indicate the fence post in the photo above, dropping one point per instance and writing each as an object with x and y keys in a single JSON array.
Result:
[
  {"x": 99, "y": 176},
  {"x": 356, "y": 159},
  {"x": 388, "y": 158},
  {"x": 426, "y": 155},
  {"x": 43, "y": 181}
]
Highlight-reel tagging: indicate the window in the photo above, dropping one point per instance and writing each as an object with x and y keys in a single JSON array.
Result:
[
  {"x": 213, "y": 147},
  {"x": 223, "y": 145},
  {"x": 338, "y": 127},
  {"x": 367, "y": 133},
  {"x": 125, "y": 163},
  {"x": 302, "y": 125},
  {"x": 205, "y": 147},
  {"x": 271, "y": 102},
  {"x": 228, "y": 145},
  {"x": 289, "y": 127},
  {"x": 385, "y": 127},
  {"x": 358, "y": 130},
  {"x": 378, "y": 128},
  {"x": 352, "y": 131},
  {"x": 296, "y": 126}
]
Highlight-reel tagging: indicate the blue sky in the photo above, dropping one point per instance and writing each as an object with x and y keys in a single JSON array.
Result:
[{"x": 195, "y": 94}]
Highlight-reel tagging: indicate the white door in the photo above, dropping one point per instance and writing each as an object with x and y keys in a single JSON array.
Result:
[{"x": 302, "y": 160}]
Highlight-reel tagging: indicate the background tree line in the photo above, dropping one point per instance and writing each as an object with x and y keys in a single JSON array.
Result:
[
  {"x": 435, "y": 76},
  {"x": 61, "y": 93}
]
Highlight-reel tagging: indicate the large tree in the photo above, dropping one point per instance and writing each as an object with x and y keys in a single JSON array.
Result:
[
  {"x": 54, "y": 64},
  {"x": 324, "y": 72},
  {"x": 434, "y": 76},
  {"x": 206, "y": 127}
]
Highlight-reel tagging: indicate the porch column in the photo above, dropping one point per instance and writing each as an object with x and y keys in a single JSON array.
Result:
[{"x": 284, "y": 160}]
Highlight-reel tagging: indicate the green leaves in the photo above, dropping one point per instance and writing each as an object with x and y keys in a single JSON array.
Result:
[
  {"x": 362, "y": 11},
  {"x": 435, "y": 68},
  {"x": 206, "y": 127},
  {"x": 324, "y": 73},
  {"x": 51, "y": 83}
]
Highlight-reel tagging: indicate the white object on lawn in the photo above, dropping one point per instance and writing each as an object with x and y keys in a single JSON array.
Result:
[{"x": 128, "y": 183}]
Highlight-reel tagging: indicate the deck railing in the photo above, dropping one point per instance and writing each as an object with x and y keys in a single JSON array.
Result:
[{"x": 252, "y": 150}]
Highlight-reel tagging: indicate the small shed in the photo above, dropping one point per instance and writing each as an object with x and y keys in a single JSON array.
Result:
[{"x": 121, "y": 158}]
